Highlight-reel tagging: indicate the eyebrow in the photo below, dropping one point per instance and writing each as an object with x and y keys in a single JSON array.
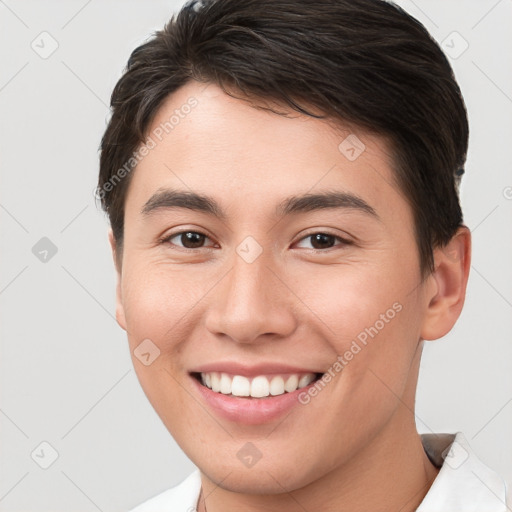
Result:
[{"x": 168, "y": 198}]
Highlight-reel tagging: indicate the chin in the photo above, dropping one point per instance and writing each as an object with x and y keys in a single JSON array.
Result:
[{"x": 263, "y": 481}]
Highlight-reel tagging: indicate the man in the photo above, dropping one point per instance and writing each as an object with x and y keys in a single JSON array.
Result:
[{"x": 281, "y": 179}]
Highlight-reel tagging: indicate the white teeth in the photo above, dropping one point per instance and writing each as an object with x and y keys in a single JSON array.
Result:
[
  {"x": 215, "y": 378},
  {"x": 305, "y": 380},
  {"x": 260, "y": 387},
  {"x": 225, "y": 384},
  {"x": 241, "y": 386},
  {"x": 257, "y": 387},
  {"x": 291, "y": 383},
  {"x": 277, "y": 386}
]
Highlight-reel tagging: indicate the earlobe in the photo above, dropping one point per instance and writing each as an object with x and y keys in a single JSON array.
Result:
[
  {"x": 120, "y": 317},
  {"x": 449, "y": 280}
]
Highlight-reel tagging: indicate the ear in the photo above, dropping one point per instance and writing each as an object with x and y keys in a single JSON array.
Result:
[
  {"x": 119, "y": 297},
  {"x": 448, "y": 285}
]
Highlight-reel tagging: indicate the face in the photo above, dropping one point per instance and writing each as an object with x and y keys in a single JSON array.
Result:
[{"x": 257, "y": 287}]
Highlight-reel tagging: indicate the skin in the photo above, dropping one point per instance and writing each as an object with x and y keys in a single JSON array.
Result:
[{"x": 353, "y": 447}]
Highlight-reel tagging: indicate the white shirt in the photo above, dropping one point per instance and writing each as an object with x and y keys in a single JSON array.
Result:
[{"x": 463, "y": 484}]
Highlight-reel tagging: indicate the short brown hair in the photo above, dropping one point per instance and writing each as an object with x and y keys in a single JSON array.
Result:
[{"x": 365, "y": 62}]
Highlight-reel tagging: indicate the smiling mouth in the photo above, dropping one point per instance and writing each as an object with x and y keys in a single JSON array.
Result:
[{"x": 260, "y": 386}]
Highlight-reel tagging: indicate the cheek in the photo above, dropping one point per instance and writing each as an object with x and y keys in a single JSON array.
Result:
[
  {"x": 158, "y": 303},
  {"x": 371, "y": 319},
  {"x": 349, "y": 300}
]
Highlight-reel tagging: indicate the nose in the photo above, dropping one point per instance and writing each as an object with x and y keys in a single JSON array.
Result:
[{"x": 252, "y": 303}]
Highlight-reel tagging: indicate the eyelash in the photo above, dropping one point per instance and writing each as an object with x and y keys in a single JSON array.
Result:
[{"x": 166, "y": 240}]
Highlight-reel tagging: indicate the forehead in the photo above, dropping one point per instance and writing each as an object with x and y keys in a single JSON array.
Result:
[{"x": 205, "y": 141}]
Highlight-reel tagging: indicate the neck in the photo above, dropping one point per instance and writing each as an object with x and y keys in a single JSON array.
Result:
[{"x": 393, "y": 473}]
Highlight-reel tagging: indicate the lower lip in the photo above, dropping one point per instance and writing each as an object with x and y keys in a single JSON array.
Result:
[{"x": 250, "y": 411}]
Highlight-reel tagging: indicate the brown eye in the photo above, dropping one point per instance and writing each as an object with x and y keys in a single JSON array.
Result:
[
  {"x": 187, "y": 239},
  {"x": 322, "y": 240}
]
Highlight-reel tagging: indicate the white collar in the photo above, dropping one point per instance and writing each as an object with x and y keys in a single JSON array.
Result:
[{"x": 464, "y": 483}]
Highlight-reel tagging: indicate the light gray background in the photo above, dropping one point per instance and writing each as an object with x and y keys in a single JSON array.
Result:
[{"x": 66, "y": 374}]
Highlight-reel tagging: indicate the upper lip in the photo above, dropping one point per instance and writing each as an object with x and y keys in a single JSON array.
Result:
[{"x": 254, "y": 370}]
